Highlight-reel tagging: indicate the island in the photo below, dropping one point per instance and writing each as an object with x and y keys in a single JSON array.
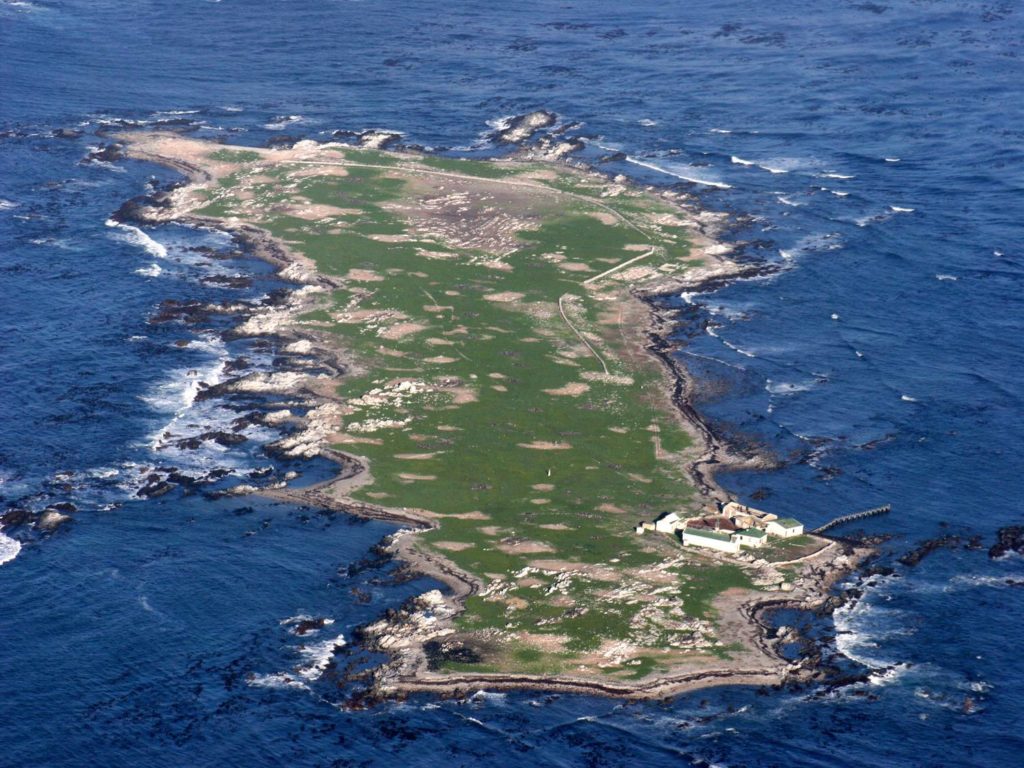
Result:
[{"x": 474, "y": 342}]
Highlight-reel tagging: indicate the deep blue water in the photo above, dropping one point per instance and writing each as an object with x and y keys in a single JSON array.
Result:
[{"x": 881, "y": 364}]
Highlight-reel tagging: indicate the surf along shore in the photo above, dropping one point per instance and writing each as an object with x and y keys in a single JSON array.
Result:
[{"x": 476, "y": 344}]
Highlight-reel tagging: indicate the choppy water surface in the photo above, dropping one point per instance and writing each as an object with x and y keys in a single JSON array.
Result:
[{"x": 873, "y": 151}]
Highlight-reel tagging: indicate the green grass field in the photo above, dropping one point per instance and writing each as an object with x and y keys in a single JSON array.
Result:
[{"x": 477, "y": 400}]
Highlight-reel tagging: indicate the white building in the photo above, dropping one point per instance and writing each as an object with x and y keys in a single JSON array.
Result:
[
  {"x": 751, "y": 537},
  {"x": 723, "y": 542},
  {"x": 785, "y": 527},
  {"x": 668, "y": 522}
]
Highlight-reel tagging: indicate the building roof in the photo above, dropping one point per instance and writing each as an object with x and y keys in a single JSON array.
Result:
[
  {"x": 754, "y": 533},
  {"x": 716, "y": 535},
  {"x": 670, "y": 517},
  {"x": 788, "y": 522}
]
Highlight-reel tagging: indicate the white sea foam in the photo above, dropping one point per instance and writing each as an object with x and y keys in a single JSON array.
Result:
[
  {"x": 834, "y": 175},
  {"x": 908, "y": 399},
  {"x": 318, "y": 656},
  {"x": 889, "y": 675},
  {"x": 129, "y": 234},
  {"x": 946, "y": 277},
  {"x": 788, "y": 387},
  {"x": 898, "y": 209},
  {"x": 891, "y": 159},
  {"x": 153, "y": 270},
  {"x": 741, "y": 161},
  {"x": 279, "y": 680},
  {"x": 676, "y": 171},
  {"x": 6, "y": 205},
  {"x": 647, "y": 122},
  {"x": 973, "y": 581},
  {"x": 9, "y": 548},
  {"x": 736, "y": 349},
  {"x": 786, "y": 201},
  {"x": 719, "y": 130},
  {"x": 837, "y": 193},
  {"x": 280, "y": 122},
  {"x": 835, "y": 315}
]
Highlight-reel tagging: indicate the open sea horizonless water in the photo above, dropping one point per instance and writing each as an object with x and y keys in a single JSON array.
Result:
[{"x": 873, "y": 151}]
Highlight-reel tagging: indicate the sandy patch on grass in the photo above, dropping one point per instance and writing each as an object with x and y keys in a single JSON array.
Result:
[
  {"x": 440, "y": 360},
  {"x": 345, "y": 437},
  {"x": 556, "y": 565},
  {"x": 363, "y": 276},
  {"x": 452, "y": 546},
  {"x": 605, "y": 218},
  {"x": 504, "y": 297},
  {"x": 540, "y": 502},
  {"x": 543, "y": 487},
  {"x": 639, "y": 478},
  {"x": 415, "y": 456},
  {"x": 545, "y": 445},
  {"x": 529, "y": 581},
  {"x": 555, "y": 527},
  {"x": 314, "y": 211},
  {"x": 436, "y": 342},
  {"x": 637, "y": 247},
  {"x": 318, "y": 170},
  {"x": 461, "y": 396},
  {"x": 389, "y": 238},
  {"x": 499, "y": 388},
  {"x": 496, "y": 375},
  {"x": 378, "y": 495},
  {"x": 474, "y": 515},
  {"x": 401, "y": 330},
  {"x": 526, "y": 547},
  {"x": 575, "y": 266},
  {"x": 611, "y": 508},
  {"x": 607, "y": 378},
  {"x": 619, "y": 430},
  {"x": 413, "y": 478},
  {"x": 572, "y": 389},
  {"x": 490, "y": 530}
]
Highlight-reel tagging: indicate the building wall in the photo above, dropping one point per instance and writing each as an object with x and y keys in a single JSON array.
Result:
[
  {"x": 700, "y": 541},
  {"x": 784, "y": 533},
  {"x": 750, "y": 541}
]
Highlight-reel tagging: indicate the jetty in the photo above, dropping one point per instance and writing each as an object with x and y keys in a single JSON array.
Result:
[{"x": 842, "y": 520}]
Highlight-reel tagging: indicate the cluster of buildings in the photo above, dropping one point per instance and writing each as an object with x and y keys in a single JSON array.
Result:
[{"x": 734, "y": 526}]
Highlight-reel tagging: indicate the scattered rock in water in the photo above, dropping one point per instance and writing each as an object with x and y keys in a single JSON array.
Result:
[
  {"x": 67, "y": 133},
  {"x": 225, "y": 439},
  {"x": 104, "y": 153},
  {"x": 228, "y": 281},
  {"x": 521, "y": 128},
  {"x": 283, "y": 141},
  {"x": 374, "y": 139},
  {"x": 915, "y": 556},
  {"x": 238, "y": 364},
  {"x": 15, "y": 517},
  {"x": 51, "y": 519},
  {"x": 305, "y": 626},
  {"x": 154, "y": 487},
  {"x": 1009, "y": 539}
]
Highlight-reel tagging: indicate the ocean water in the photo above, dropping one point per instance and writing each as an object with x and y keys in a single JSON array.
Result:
[{"x": 871, "y": 151}]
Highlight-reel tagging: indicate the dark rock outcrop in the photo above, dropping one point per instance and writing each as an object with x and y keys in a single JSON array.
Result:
[{"x": 1008, "y": 539}]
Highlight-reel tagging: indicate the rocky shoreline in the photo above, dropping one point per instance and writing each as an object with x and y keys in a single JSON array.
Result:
[{"x": 404, "y": 634}]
